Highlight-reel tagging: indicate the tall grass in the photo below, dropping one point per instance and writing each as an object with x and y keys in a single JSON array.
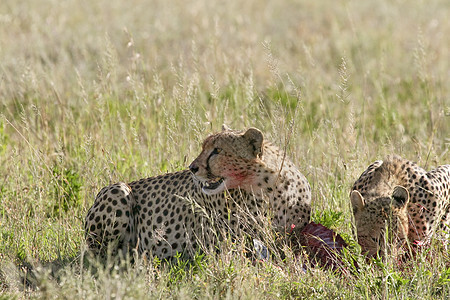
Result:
[{"x": 94, "y": 92}]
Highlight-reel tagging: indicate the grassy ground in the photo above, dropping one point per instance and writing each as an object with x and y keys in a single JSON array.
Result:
[{"x": 93, "y": 92}]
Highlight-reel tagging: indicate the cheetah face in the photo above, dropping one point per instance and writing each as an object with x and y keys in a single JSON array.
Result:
[
  {"x": 376, "y": 214},
  {"x": 228, "y": 160}
]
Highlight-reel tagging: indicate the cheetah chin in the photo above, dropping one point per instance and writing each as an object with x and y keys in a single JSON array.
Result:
[{"x": 213, "y": 187}]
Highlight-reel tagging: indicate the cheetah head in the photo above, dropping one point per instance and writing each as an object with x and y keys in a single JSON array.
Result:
[
  {"x": 376, "y": 214},
  {"x": 229, "y": 159}
]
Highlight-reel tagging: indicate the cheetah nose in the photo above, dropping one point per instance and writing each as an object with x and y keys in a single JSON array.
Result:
[{"x": 193, "y": 168}]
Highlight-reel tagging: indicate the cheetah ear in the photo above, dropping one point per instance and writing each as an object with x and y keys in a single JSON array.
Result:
[
  {"x": 400, "y": 196},
  {"x": 225, "y": 127},
  {"x": 357, "y": 201},
  {"x": 255, "y": 138}
]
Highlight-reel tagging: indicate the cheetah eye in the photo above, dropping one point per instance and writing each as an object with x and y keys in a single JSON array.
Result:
[{"x": 216, "y": 151}]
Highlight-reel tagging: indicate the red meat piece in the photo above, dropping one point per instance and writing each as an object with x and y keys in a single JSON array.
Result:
[{"x": 323, "y": 246}]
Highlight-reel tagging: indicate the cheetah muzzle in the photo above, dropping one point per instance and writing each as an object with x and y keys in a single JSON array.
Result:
[{"x": 215, "y": 186}]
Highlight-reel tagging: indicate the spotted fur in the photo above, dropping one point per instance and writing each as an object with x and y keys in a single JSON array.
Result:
[
  {"x": 238, "y": 181},
  {"x": 399, "y": 194}
]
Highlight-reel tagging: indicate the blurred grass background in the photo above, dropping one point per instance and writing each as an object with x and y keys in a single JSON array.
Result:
[{"x": 94, "y": 92}]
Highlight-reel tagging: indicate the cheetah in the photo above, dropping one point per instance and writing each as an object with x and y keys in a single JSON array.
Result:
[
  {"x": 399, "y": 194},
  {"x": 238, "y": 182}
]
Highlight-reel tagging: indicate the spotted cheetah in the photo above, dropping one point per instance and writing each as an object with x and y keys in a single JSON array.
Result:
[
  {"x": 238, "y": 181},
  {"x": 399, "y": 194}
]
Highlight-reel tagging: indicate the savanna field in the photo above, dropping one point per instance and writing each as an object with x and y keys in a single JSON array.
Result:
[{"x": 95, "y": 92}]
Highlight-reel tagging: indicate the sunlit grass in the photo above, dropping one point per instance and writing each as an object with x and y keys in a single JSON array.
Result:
[{"x": 93, "y": 92}]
